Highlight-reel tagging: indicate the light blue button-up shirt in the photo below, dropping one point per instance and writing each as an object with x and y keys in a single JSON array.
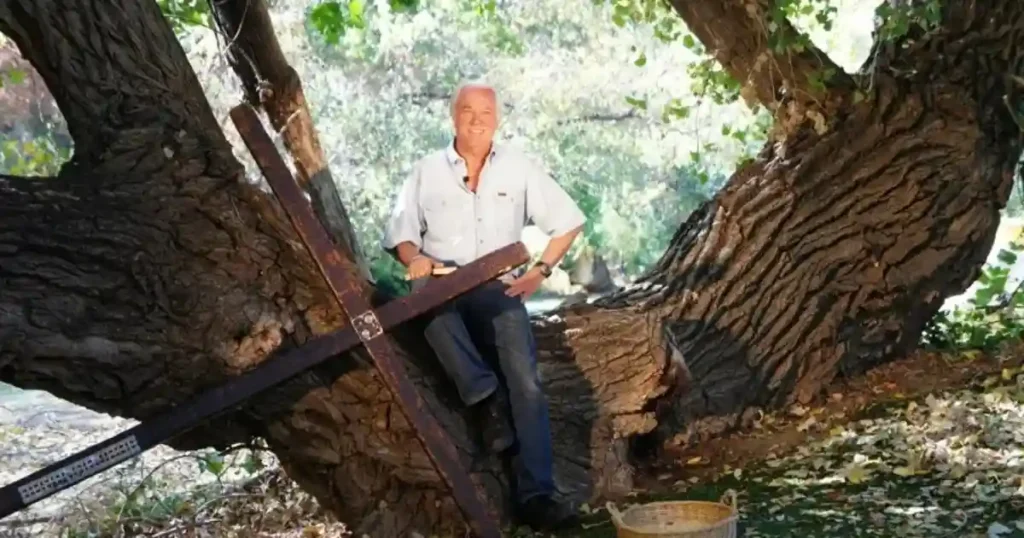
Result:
[{"x": 437, "y": 212}]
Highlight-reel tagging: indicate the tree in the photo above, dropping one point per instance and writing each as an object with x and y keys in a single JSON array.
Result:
[{"x": 147, "y": 269}]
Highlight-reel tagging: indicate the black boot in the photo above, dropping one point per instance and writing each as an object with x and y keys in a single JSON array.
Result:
[
  {"x": 545, "y": 513},
  {"x": 495, "y": 429}
]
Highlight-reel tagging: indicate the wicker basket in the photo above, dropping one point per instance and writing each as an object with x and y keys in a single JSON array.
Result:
[{"x": 678, "y": 519}]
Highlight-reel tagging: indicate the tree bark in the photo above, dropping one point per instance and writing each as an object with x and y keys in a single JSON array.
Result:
[
  {"x": 271, "y": 83},
  {"x": 736, "y": 33},
  {"x": 829, "y": 253},
  {"x": 148, "y": 270}
]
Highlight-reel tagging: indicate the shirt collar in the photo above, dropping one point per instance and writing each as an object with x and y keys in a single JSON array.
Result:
[{"x": 454, "y": 157}]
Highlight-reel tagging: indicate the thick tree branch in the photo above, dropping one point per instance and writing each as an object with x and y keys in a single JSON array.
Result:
[
  {"x": 600, "y": 117},
  {"x": 736, "y": 33},
  {"x": 125, "y": 127},
  {"x": 270, "y": 82}
]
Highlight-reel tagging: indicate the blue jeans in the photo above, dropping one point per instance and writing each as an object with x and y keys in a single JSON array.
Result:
[{"x": 487, "y": 316}]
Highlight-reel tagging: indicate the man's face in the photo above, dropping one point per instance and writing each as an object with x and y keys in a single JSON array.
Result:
[{"x": 476, "y": 117}]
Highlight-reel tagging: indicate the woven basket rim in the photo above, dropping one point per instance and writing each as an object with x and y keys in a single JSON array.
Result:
[
  {"x": 676, "y": 503},
  {"x": 731, "y": 518}
]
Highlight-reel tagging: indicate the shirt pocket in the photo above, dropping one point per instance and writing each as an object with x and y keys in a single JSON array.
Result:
[
  {"x": 507, "y": 216},
  {"x": 443, "y": 218}
]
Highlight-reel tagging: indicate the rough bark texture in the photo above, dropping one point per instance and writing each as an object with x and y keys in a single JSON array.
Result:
[
  {"x": 148, "y": 270},
  {"x": 831, "y": 251},
  {"x": 271, "y": 83},
  {"x": 735, "y": 32}
]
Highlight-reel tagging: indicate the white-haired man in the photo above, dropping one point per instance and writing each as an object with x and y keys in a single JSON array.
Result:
[{"x": 460, "y": 203}]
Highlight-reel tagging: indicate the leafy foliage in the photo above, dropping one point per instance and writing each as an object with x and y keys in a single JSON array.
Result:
[
  {"x": 903, "y": 18},
  {"x": 182, "y": 14},
  {"x": 379, "y": 94},
  {"x": 332, "y": 19},
  {"x": 39, "y": 157},
  {"x": 995, "y": 314}
]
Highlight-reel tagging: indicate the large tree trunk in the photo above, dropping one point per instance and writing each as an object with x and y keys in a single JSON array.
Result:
[{"x": 149, "y": 270}]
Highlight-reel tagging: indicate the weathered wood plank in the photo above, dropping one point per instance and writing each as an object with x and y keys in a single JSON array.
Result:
[{"x": 341, "y": 275}]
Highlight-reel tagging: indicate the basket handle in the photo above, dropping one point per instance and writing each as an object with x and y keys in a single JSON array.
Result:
[
  {"x": 614, "y": 512},
  {"x": 729, "y": 499}
]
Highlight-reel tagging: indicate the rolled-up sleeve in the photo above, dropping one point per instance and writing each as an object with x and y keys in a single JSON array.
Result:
[
  {"x": 406, "y": 220},
  {"x": 548, "y": 206}
]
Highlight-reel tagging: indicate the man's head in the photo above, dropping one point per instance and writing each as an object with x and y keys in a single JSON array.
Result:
[{"x": 475, "y": 111}]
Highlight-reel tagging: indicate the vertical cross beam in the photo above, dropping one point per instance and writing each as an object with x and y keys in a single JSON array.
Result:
[{"x": 341, "y": 275}]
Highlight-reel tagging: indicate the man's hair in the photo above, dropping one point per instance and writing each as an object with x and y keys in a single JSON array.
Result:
[{"x": 471, "y": 85}]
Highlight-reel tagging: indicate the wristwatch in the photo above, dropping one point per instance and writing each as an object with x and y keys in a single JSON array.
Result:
[{"x": 545, "y": 269}]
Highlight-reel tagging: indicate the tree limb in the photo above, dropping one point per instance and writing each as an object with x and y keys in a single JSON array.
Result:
[
  {"x": 600, "y": 118},
  {"x": 127, "y": 128},
  {"x": 271, "y": 83},
  {"x": 736, "y": 33}
]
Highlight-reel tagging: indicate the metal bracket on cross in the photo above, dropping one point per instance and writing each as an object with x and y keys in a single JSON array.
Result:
[
  {"x": 366, "y": 326},
  {"x": 340, "y": 275}
]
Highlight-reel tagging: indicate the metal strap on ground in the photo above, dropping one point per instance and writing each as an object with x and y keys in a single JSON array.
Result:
[{"x": 341, "y": 276}]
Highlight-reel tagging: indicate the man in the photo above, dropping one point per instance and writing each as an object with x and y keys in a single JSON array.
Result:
[{"x": 459, "y": 204}]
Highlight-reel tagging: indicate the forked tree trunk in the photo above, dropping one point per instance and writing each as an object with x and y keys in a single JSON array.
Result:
[{"x": 149, "y": 270}]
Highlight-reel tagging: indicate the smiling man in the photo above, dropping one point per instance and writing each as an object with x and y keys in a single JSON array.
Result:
[{"x": 460, "y": 203}]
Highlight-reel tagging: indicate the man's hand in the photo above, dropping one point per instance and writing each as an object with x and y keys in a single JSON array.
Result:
[
  {"x": 526, "y": 285},
  {"x": 419, "y": 267}
]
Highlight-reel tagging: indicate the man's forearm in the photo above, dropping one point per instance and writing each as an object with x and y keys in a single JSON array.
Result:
[
  {"x": 558, "y": 246},
  {"x": 406, "y": 252}
]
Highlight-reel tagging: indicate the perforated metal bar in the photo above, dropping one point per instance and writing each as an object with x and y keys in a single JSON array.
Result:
[{"x": 79, "y": 470}]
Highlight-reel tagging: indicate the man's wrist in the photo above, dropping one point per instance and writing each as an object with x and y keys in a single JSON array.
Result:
[{"x": 543, "y": 267}]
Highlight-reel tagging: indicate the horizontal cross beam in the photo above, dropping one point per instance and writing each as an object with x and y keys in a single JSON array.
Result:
[
  {"x": 274, "y": 370},
  {"x": 341, "y": 275}
]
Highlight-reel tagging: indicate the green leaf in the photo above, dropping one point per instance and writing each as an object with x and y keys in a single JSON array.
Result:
[
  {"x": 253, "y": 463},
  {"x": 355, "y": 14},
  {"x": 16, "y": 76},
  {"x": 641, "y": 61},
  {"x": 689, "y": 42},
  {"x": 638, "y": 103},
  {"x": 404, "y": 6},
  {"x": 213, "y": 463},
  {"x": 1007, "y": 257},
  {"x": 328, "y": 19},
  {"x": 675, "y": 109}
]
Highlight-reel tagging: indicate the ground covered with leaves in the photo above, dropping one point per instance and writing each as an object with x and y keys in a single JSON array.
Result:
[
  {"x": 925, "y": 447},
  {"x": 929, "y": 446}
]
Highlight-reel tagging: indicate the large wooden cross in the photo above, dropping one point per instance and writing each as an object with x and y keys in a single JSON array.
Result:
[{"x": 366, "y": 327}]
